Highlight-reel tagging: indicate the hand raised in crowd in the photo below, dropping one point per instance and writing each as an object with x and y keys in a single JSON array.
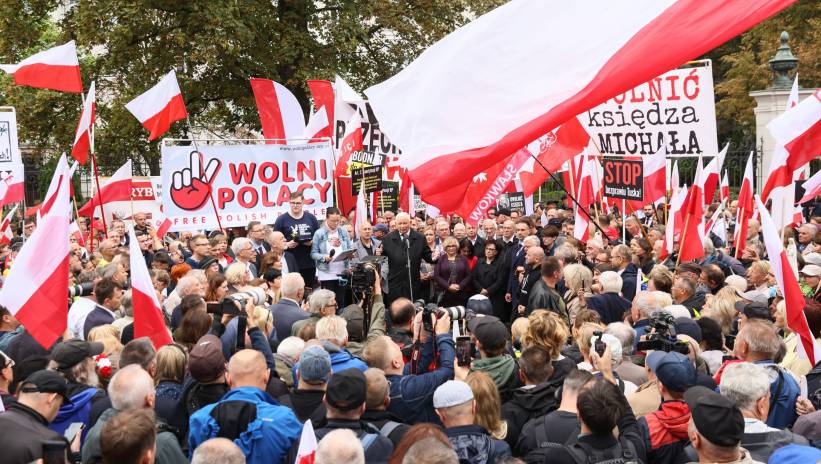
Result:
[
  {"x": 803, "y": 406},
  {"x": 249, "y": 312},
  {"x": 442, "y": 325},
  {"x": 418, "y": 332},
  {"x": 603, "y": 364},
  {"x": 460, "y": 372}
]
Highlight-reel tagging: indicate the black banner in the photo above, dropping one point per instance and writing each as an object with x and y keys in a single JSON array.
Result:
[
  {"x": 389, "y": 198},
  {"x": 372, "y": 175},
  {"x": 623, "y": 179}
]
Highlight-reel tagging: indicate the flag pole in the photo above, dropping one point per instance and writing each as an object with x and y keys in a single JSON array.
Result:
[
  {"x": 623, "y": 221},
  {"x": 199, "y": 153},
  {"x": 683, "y": 235}
]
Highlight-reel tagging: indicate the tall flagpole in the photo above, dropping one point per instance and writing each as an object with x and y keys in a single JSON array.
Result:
[{"x": 200, "y": 174}]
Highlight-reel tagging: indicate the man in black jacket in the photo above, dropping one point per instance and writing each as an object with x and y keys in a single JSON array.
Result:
[
  {"x": 538, "y": 395},
  {"x": 287, "y": 311},
  {"x": 24, "y": 426},
  {"x": 311, "y": 382},
  {"x": 622, "y": 259},
  {"x": 376, "y": 414},
  {"x": 530, "y": 274},
  {"x": 402, "y": 247},
  {"x": 543, "y": 295}
]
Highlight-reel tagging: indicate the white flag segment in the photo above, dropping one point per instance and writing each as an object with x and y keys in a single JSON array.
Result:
[
  {"x": 307, "y": 445},
  {"x": 812, "y": 188},
  {"x": 713, "y": 173},
  {"x": 159, "y": 106},
  {"x": 317, "y": 123},
  {"x": 361, "y": 215},
  {"x": 6, "y": 231},
  {"x": 478, "y": 95},
  {"x": 82, "y": 138},
  {"x": 56, "y": 68},
  {"x": 35, "y": 291},
  {"x": 117, "y": 188},
  {"x": 655, "y": 175},
  {"x": 788, "y": 284}
]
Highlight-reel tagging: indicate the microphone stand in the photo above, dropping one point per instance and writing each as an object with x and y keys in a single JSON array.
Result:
[{"x": 407, "y": 253}]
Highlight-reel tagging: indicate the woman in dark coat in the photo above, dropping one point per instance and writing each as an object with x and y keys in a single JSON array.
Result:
[
  {"x": 452, "y": 275},
  {"x": 489, "y": 277}
]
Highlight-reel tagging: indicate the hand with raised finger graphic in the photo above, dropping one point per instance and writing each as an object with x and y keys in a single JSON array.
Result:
[{"x": 191, "y": 186}]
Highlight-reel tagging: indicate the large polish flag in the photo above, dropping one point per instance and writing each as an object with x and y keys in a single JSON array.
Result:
[
  {"x": 724, "y": 193},
  {"x": 351, "y": 143},
  {"x": 117, "y": 188},
  {"x": 551, "y": 151},
  {"x": 691, "y": 246},
  {"x": 82, "y": 139},
  {"x": 655, "y": 176},
  {"x": 713, "y": 172},
  {"x": 56, "y": 68},
  {"x": 797, "y": 132},
  {"x": 788, "y": 284},
  {"x": 6, "y": 231},
  {"x": 745, "y": 208},
  {"x": 322, "y": 92},
  {"x": 62, "y": 175},
  {"x": 160, "y": 106},
  {"x": 279, "y": 111},
  {"x": 35, "y": 291},
  {"x": 148, "y": 316},
  {"x": 477, "y": 96},
  {"x": 812, "y": 188}
]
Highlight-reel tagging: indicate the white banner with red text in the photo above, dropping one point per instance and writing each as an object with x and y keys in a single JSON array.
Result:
[{"x": 246, "y": 182}]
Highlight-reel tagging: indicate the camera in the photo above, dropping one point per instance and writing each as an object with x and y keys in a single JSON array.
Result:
[
  {"x": 84, "y": 289},
  {"x": 664, "y": 338},
  {"x": 228, "y": 305},
  {"x": 364, "y": 275},
  {"x": 599, "y": 345},
  {"x": 456, "y": 313}
]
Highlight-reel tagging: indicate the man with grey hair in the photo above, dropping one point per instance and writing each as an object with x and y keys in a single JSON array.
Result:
[
  {"x": 332, "y": 331},
  {"x": 404, "y": 248},
  {"x": 340, "y": 445},
  {"x": 748, "y": 386},
  {"x": 430, "y": 451},
  {"x": 627, "y": 369},
  {"x": 244, "y": 250},
  {"x": 132, "y": 388},
  {"x": 287, "y": 310},
  {"x": 127, "y": 318},
  {"x": 489, "y": 229},
  {"x": 218, "y": 450},
  {"x": 189, "y": 284},
  {"x": 609, "y": 304},
  {"x": 644, "y": 305},
  {"x": 321, "y": 303},
  {"x": 83, "y": 305},
  {"x": 622, "y": 259},
  {"x": 757, "y": 342}
]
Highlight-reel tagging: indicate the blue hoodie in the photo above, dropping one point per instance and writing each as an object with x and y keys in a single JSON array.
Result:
[
  {"x": 267, "y": 439},
  {"x": 341, "y": 359},
  {"x": 79, "y": 410}
]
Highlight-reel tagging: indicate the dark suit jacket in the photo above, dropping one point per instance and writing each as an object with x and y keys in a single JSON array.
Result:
[
  {"x": 397, "y": 254},
  {"x": 267, "y": 248},
  {"x": 290, "y": 260},
  {"x": 99, "y": 316},
  {"x": 285, "y": 313},
  {"x": 479, "y": 248},
  {"x": 610, "y": 306}
]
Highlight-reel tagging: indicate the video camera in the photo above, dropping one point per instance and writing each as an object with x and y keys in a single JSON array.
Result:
[
  {"x": 84, "y": 289},
  {"x": 364, "y": 275},
  {"x": 456, "y": 313},
  {"x": 664, "y": 338},
  {"x": 228, "y": 305}
]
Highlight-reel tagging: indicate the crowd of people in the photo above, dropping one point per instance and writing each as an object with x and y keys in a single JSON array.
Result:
[{"x": 506, "y": 341}]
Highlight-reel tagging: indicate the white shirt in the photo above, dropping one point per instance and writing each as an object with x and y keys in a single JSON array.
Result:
[
  {"x": 284, "y": 264},
  {"x": 334, "y": 267},
  {"x": 756, "y": 426},
  {"x": 77, "y": 314}
]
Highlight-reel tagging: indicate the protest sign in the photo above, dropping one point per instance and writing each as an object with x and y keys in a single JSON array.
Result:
[
  {"x": 377, "y": 149},
  {"x": 389, "y": 196},
  {"x": 11, "y": 164},
  {"x": 370, "y": 175},
  {"x": 676, "y": 108},
  {"x": 514, "y": 201},
  {"x": 623, "y": 179},
  {"x": 418, "y": 204},
  {"x": 248, "y": 182}
]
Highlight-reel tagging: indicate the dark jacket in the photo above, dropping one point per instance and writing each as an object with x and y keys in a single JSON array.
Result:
[
  {"x": 532, "y": 275},
  {"x": 444, "y": 277},
  {"x": 412, "y": 395},
  {"x": 760, "y": 445},
  {"x": 628, "y": 431},
  {"x": 491, "y": 278},
  {"x": 384, "y": 420},
  {"x": 517, "y": 258},
  {"x": 306, "y": 404},
  {"x": 628, "y": 281},
  {"x": 377, "y": 451},
  {"x": 473, "y": 445},
  {"x": 544, "y": 297},
  {"x": 99, "y": 316},
  {"x": 168, "y": 448},
  {"x": 285, "y": 313},
  {"x": 610, "y": 306},
  {"x": 22, "y": 434},
  {"x": 695, "y": 303},
  {"x": 527, "y": 403},
  {"x": 290, "y": 261},
  {"x": 397, "y": 253}
]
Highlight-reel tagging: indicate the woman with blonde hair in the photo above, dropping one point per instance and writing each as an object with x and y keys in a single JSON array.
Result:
[
  {"x": 721, "y": 307},
  {"x": 578, "y": 280},
  {"x": 172, "y": 360},
  {"x": 488, "y": 404},
  {"x": 237, "y": 277},
  {"x": 452, "y": 275},
  {"x": 548, "y": 330}
]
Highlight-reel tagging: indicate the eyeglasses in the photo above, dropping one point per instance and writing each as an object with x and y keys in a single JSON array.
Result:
[
  {"x": 9, "y": 363},
  {"x": 490, "y": 249}
]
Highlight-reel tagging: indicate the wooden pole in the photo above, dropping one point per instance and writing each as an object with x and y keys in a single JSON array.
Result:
[{"x": 683, "y": 235}]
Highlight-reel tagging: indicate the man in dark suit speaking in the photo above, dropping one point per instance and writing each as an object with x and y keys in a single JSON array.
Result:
[{"x": 401, "y": 247}]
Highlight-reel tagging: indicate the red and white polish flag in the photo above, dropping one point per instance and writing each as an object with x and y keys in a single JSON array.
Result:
[
  {"x": 12, "y": 187},
  {"x": 117, "y": 188},
  {"x": 454, "y": 112},
  {"x": 161, "y": 223},
  {"x": 35, "y": 291},
  {"x": 148, "y": 317},
  {"x": 655, "y": 176},
  {"x": 691, "y": 246},
  {"x": 672, "y": 232},
  {"x": 56, "y": 68},
  {"x": 322, "y": 92},
  {"x": 82, "y": 139},
  {"x": 6, "y": 232},
  {"x": 585, "y": 197},
  {"x": 788, "y": 284},
  {"x": 713, "y": 172},
  {"x": 160, "y": 106},
  {"x": 74, "y": 231},
  {"x": 812, "y": 188},
  {"x": 351, "y": 143},
  {"x": 674, "y": 177},
  {"x": 745, "y": 208},
  {"x": 552, "y": 150},
  {"x": 62, "y": 175},
  {"x": 725, "y": 188},
  {"x": 318, "y": 126},
  {"x": 279, "y": 111},
  {"x": 306, "y": 453}
]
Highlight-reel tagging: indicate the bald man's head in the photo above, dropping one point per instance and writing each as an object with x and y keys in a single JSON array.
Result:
[{"x": 247, "y": 368}]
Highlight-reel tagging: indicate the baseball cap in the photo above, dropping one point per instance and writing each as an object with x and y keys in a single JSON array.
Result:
[
  {"x": 716, "y": 417},
  {"x": 813, "y": 258},
  {"x": 674, "y": 370},
  {"x": 314, "y": 365},
  {"x": 752, "y": 296},
  {"x": 206, "y": 361},
  {"x": 70, "y": 353},
  {"x": 452, "y": 393},
  {"x": 489, "y": 331},
  {"x": 355, "y": 322},
  {"x": 687, "y": 326},
  {"x": 347, "y": 389},
  {"x": 754, "y": 310},
  {"x": 205, "y": 263},
  {"x": 381, "y": 228},
  {"x": 46, "y": 381},
  {"x": 811, "y": 270},
  {"x": 795, "y": 454}
]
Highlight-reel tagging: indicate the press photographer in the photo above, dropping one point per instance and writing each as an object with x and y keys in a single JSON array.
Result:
[{"x": 365, "y": 320}]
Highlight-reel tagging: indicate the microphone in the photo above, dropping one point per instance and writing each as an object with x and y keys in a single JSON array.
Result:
[{"x": 332, "y": 252}]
